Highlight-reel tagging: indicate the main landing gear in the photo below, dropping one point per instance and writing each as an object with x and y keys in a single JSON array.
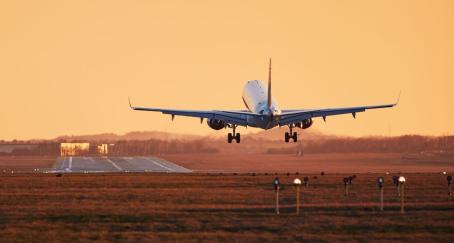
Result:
[
  {"x": 291, "y": 135},
  {"x": 233, "y": 135}
]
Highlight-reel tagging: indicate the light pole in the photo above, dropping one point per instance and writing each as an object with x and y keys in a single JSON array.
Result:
[
  {"x": 346, "y": 185},
  {"x": 297, "y": 183},
  {"x": 449, "y": 179},
  {"x": 402, "y": 193},
  {"x": 380, "y": 182},
  {"x": 276, "y": 185}
]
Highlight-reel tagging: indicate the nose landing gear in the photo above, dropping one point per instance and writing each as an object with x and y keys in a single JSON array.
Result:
[
  {"x": 291, "y": 135},
  {"x": 234, "y": 135}
]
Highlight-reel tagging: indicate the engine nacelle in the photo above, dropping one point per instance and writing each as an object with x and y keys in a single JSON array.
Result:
[
  {"x": 215, "y": 124},
  {"x": 307, "y": 123},
  {"x": 304, "y": 124}
]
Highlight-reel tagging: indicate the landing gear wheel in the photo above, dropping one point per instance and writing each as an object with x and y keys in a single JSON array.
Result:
[
  {"x": 291, "y": 135},
  {"x": 233, "y": 135},
  {"x": 295, "y": 137},
  {"x": 229, "y": 138}
]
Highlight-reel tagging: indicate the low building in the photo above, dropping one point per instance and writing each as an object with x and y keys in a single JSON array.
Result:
[
  {"x": 74, "y": 149},
  {"x": 103, "y": 149}
]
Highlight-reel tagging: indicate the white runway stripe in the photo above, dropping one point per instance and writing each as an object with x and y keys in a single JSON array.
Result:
[
  {"x": 115, "y": 165},
  {"x": 179, "y": 168},
  {"x": 70, "y": 164},
  {"x": 159, "y": 164}
]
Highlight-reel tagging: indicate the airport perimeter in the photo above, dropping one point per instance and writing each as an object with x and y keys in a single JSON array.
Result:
[{"x": 198, "y": 207}]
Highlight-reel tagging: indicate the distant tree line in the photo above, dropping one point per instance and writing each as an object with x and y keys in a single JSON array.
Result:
[
  {"x": 156, "y": 147},
  {"x": 42, "y": 148},
  {"x": 401, "y": 144},
  {"x": 123, "y": 147}
]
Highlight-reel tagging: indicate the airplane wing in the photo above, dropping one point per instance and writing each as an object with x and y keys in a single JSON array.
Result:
[
  {"x": 294, "y": 116},
  {"x": 230, "y": 117}
]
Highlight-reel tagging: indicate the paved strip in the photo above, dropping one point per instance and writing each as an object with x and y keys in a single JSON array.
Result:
[
  {"x": 175, "y": 167},
  {"x": 87, "y": 164},
  {"x": 84, "y": 164},
  {"x": 63, "y": 165},
  {"x": 70, "y": 164},
  {"x": 116, "y": 164},
  {"x": 159, "y": 164},
  {"x": 60, "y": 163},
  {"x": 137, "y": 164}
]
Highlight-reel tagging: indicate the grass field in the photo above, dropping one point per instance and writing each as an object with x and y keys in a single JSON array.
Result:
[
  {"x": 26, "y": 163},
  {"x": 219, "y": 207},
  {"x": 315, "y": 163}
]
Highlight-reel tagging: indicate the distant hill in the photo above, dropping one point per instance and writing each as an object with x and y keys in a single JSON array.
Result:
[
  {"x": 278, "y": 134},
  {"x": 268, "y": 135},
  {"x": 138, "y": 135},
  {"x": 269, "y": 141}
]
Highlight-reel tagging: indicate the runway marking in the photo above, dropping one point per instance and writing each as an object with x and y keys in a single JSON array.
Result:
[
  {"x": 130, "y": 164},
  {"x": 159, "y": 164},
  {"x": 115, "y": 165},
  {"x": 173, "y": 164},
  {"x": 70, "y": 164}
]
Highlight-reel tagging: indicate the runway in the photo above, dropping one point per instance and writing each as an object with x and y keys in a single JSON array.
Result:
[{"x": 116, "y": 164}]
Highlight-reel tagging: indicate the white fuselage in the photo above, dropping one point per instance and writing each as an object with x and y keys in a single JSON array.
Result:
[{"x": 255, "y": 97}]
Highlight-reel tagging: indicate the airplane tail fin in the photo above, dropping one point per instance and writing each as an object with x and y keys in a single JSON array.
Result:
[{"x": 269, "y": 85}]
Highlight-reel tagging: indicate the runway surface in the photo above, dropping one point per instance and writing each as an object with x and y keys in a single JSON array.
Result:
[{"x": 116, "y": 164}]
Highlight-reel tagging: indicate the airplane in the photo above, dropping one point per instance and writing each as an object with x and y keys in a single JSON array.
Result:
[{"x": 262, "y": 112}]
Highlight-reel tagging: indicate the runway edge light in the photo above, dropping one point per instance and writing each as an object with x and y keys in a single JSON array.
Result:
[
  {"x": 380, "y": 182},
  {"x": 276, "y": 184},
  {"x": 297, "y": 183},
  {"x": 402, "y": 181},
  {"x": 449, "y": 179}
]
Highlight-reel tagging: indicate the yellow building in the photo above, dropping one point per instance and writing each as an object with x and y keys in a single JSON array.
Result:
[
  {"x": 103, "y": 149},
  {"x": 74, "y": 149}
]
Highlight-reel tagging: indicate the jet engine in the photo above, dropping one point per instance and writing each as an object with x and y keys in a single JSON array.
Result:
[
  {"x": 307, "y": 123},
  {"x": 215, "y": 124},
  {"x": 304, "y": 124}
]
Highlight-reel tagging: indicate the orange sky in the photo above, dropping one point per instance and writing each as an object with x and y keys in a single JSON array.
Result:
[{"x": 67, "y": 67}]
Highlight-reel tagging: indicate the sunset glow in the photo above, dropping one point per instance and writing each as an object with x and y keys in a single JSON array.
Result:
[{"x": 68, "y": 67}]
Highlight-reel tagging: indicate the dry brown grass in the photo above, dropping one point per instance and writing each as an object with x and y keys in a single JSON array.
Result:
[
  {"x": 26, "y": 163},
  {"x": 313, "y": 163},
  {"x": 214, "y": 207}
]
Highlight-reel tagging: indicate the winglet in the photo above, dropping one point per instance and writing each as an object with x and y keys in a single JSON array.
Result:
[
  {"x": 130, "y": 106},
  {"x": 398, "y": 98},
  {"x": 269, "y": 85}
]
